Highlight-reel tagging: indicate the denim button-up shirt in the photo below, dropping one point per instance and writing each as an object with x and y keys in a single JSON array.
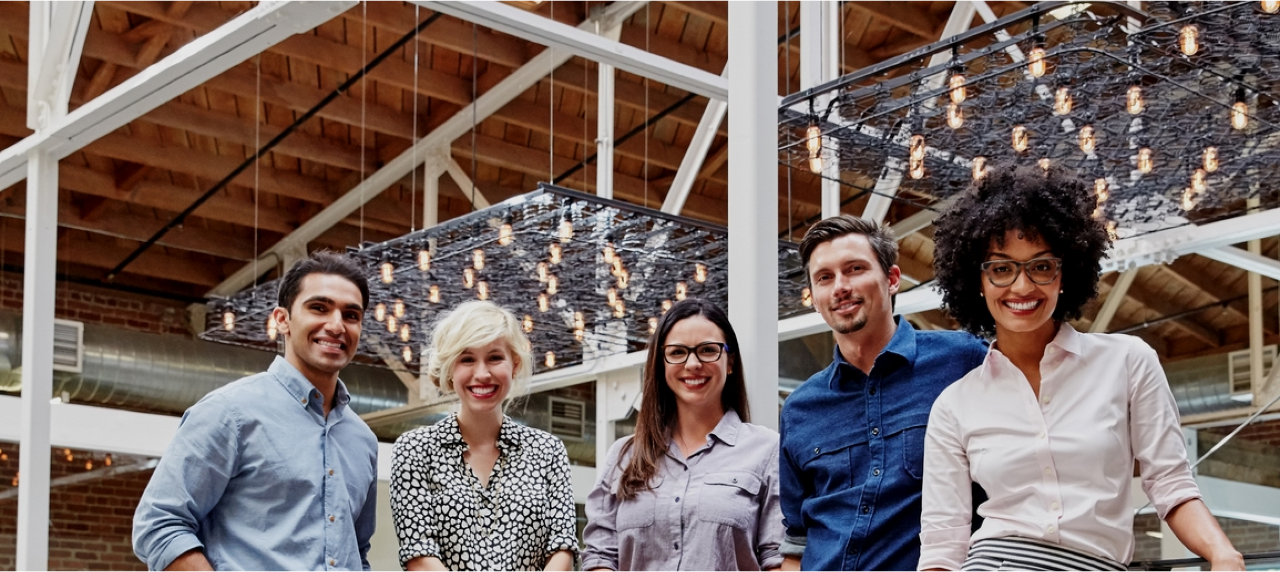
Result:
[
  {"x": 853, "y": 451},
  {"x": 715, "y": 510},
  {"x": 259, "y": 479}
]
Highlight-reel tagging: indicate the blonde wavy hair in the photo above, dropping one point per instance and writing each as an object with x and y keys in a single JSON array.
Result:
[{"x": 474, "y": 324}]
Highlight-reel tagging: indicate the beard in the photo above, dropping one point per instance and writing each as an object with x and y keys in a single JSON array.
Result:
[{"x": 851, "y": 324}]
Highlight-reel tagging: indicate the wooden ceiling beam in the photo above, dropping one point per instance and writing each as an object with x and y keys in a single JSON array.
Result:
[
  {"x": 1139, "y": 295},
  {"x": 905, "y": 15},
  {"x": 104, "y": 254},
  {"x": 448, "y": 32},
  {"x": 1183, "y": 271}
]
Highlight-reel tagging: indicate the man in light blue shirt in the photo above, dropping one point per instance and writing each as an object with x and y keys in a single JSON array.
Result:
[{"x": 274, "y": 471}]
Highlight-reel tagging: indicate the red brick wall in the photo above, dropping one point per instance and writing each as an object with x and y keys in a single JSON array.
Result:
[
  {"x": 113, "y": 308},
  {"x": 1266, "y": 432},
  {"x": 91, "y": 522}
]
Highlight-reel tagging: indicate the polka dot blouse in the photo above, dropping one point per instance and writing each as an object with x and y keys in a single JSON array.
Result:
[{"x": 517, "y": 522}]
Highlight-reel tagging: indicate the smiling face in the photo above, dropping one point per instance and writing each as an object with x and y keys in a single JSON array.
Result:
[
  {"x": 1022, "y": 306},
  {"x": 322, "y": 329},
  {"x": 850, "y": 289},
  {"x": 482, "y": 376},
  {"x": 696, "y": 384}
]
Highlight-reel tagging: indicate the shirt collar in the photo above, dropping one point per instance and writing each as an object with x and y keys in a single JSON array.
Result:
[
  {"x": 727, "y": 429},
  {"x": 304, "y": 392},
  {"x": 1067, "y": 339},
  {"x": 902, "y": 345},
  {"x": 508, "y": 433}
]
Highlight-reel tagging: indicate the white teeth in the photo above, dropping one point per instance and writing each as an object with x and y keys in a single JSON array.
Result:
[
  {"x": 485, "y": 390},
  {"x": 1023, "y": 306},
  {"x": 695, "y": 382},
  {"x": 330, "y": 344}
]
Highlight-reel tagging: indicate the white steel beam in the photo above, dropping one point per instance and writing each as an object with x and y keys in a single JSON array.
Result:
[
  {"x": 459, "y": 176},
  {"x": 56, "y": 40},
  {"x": 705, "y": 135},
  {"x": 205, "y": 57},
  {"x": 753, "y": 199},
  {"x": 1243, "y": 259},
  {"x": 578, "y": 42},
  {"x": 456, "y": 126},
  {"x": 40, "y": 262},
  {"x": 1114, "y": 298}
]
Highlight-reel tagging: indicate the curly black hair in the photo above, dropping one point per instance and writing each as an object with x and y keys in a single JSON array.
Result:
[{"x": 1047, "y": 204}]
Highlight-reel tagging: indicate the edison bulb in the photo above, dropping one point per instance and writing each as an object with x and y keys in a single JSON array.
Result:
[
  {"x": 700, "y": 272},
  {"x": 624, "y": 279},
  {"x": 391, "y": 324},
  {"x": 1133, "y": 102},
  {"x": 1112, "y": 231},
  {"x": 1199, "y": 180},
  {"x": 434, "y": 294},
  {"x": 527, "y": 324},
  {"x": 1062, "y": 101},
  {"x": 666, "y": 305},
  {"x": 979, "y": 167},
  {"x": 916, "y": 171},
  {"x": 406, "y": 353},
  {"x": 1188, "y": 199},
  {"x": 1035, "y": 62},
  {"x": 424, "y": 260},
  {"x": 1270, "y": 6},
  {"x": 566, "y": 229},
  {"x": 505, "y": 234},
  {"x": 542, "y": 272},
  {"x": 399, "y": 308},
  {"x": 229, "y": 320},
  {"x": 578, "y": 334},
  {"x": 482, "y": 290},
  {"x": 917, "y": 147},
  {"x": 544, "y": 303},
  {"x": 404, "y": 333},
  {"x": 272, "y": 332},
  {"x": 617, "y": 269},
  {"x": 553, "y": 285},
  {"x": 620, "y": 309},
  {"x": 1211, "y": 159},
  {"x": 468, "y": 278},
  {"x": 551, "y": 359},
  {"x": 956, "y": 83},
  {"x": 477, "y": 259},
  {"x": 1087, "y": 141},
  {"x": 556, "y": 251},
  {"x": 380, "y": 312},
  {"x": 806, "y": 297},
  {"x": 1100, "y": 190},
  {"x": 653, "y": 325},
  {"x": 1146, "y": 161},
  {"x": 608, "y": 253},
  {"x": 1189, "y": 39},
  {"x": 955, "y": 116},
  {"x": 682, "y": 290},
  {"x": 612, "y": 296},
  {"x": 1239, "y": 115},
  {"x": 1044, "y": 163},
  {"x": 579, "y": 321},
  {"x": 386, "y": 269},
  {"x": 1020, "y": 138},
  {"x": 813, "y": 139},
  {"x": 815, "y": 163}
]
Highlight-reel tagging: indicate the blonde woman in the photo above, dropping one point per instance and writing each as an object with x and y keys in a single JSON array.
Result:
[{"x": 477, "y": 491}]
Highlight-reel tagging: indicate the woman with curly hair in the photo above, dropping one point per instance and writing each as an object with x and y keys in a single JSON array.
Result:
[{"x": 1052, "y": 421}]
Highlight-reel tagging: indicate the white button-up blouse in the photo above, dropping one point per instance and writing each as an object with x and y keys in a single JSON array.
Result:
[{"x": 1057, "y": 468}]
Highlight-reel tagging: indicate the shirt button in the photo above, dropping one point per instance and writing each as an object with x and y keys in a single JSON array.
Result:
[
  {"x": 875, "y": 472},
  {"x": 1044, "y": 399},
  {"x": 735, "y": 480},
  {"x": 331, "y": 518},
  {"x": 304, "y": 401},
  {"x": 872, "y": 391},
  {"x": 1054, "y": 506},
  {"x": 1051, "y": 528},
  {"x": 1041, "y": 433},
  {"x": 816, "y": 450},
  {"x": 1047, "y": 470},
  {"x": 677, "y": 499},
  {"x": 333, "y": 562},
  {"x": 865, "y": 509},
  {"x": 676, "y": 545},
  {"x": 875, "y": 430},
  {"x": 330, "y": 472}
]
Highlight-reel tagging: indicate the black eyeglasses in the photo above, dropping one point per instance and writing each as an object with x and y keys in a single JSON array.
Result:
[
  {"x": 676, "y": 354},
  {"x": 1003, "y": 273}
]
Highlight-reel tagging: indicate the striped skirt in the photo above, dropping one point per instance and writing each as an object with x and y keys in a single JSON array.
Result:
[{"x": 1014, "y": 553}]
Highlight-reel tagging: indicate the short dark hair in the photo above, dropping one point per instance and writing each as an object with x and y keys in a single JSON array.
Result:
[
  {"x": 322, "y": 262},
  {"x": 1051, "y": 205},
  {"x": 826, "y": 230}
]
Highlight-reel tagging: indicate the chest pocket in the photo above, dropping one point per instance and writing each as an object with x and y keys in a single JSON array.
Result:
[
  {"x": 730, "y": 498},
  {"x": 834, "y": 464},
  {"x": 639, "y": 512},
  {"x": 912, "y": 444}
]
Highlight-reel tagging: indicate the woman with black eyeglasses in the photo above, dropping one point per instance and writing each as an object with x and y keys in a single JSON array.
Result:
[
  {"x": 696, "y": 487},
  {"x": 1051, "y": 423}
]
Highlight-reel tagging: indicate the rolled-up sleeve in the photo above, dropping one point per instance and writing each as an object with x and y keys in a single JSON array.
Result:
[
  {"x": 187, "y": 483},
  {"x": 1156, "y": 434},
  {"x": 563, "y": 516},
  {"x": 947, "y": 512},
  {"x": 769, "y": 530},
  {"x": 600, "y": 534},
  {"x": 793, "y": 491},
  {"x": 411, "y": 502}
]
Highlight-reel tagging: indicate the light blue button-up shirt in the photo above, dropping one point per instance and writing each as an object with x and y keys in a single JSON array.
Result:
[{"x": 259, "y": 479}]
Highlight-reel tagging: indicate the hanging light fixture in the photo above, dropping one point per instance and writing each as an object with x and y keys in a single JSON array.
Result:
[
  {"x": 1145, "y": 160},
  {"x": 1020, "y": 138},
  {"x": 477, "y": 259},
  {"x": 979, "y": 167},
  {"x": 956, "y": 83},
  {"x": 399, "y": 308},
  {"x": 1087, "y": 141},
  {"x": 527, "y": 324},
  {"x": 1270, "y": 6},
  {"x": 955, "y": 116},
  {"x": 386, "y": 269},
  {"x": 1189, "y": 39},
  {"x": 1036, "y": 65},
  {"x": 815, "y": 164},
  {"x": 813, "y": 139},
  {"x": 505, "y": 233},
  {"x": 229, "y": 320},
  {"x": 1133, "y": 102},
  {"x": 1240, "y": 111},
  {"x": 1211, "y": 159},
  {"x": 1062, "y": 101},
  {"x": 699, "y": 272},
  {"x": 434, "y": 294}
]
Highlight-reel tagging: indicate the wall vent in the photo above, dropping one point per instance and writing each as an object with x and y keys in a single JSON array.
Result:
[
  {"x": 568, "y": 418},
  {"x": 68, "y": 346},
  {"x": 1240, "y": 376}
]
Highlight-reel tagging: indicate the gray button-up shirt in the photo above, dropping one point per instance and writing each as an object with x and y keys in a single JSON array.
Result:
[
  {"x": 259, "y": 479},
  {"x": 716, "y": 510}
]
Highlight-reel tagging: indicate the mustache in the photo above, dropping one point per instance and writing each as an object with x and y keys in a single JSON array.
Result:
[{"x": 842, "y": 300}]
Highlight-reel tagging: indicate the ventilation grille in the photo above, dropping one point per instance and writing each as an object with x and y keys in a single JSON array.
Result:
[
  {"x": 568, "y": 418},
  {"x": 1240, "y": 375},
  {"x": 68, "y": 346}
]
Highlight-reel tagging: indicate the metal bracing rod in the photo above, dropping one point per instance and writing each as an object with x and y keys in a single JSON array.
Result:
[
  {"x": 705, "y": 135},
  {"x": 641, "y": 128}
]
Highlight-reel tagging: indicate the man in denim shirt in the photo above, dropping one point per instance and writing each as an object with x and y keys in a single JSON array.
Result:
[
  {"x": 852, "y": 436},
  {"x": 274, "y": 471}
]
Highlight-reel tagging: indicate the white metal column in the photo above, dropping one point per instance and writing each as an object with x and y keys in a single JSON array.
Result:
[
  {"x": 819, "y": 63},
  {"x": 604, "y": 133},
  {"x": 753, "y": 200},
  {"x": 40, "y": 260}
]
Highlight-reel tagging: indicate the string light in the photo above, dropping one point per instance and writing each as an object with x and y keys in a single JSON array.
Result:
[
  {"x": 1145, "y": 160},
  {"x": 553, "y": 285},
  {"x": 1100, "y": 193},
  {"x": 468, "y": 278},
  {"x": 1133, "y": 102},
  {"x": 612, "y": 296},
  {"x": 1062, "y": 101},
  {"x": 482, "y": 290},
  {"x": 107, "y": 460},
  {"x": 67, "y": 453},
  {"x": 542, "y": 272},
  {"x": 806, "y": 297},
  {"x": 956, "y": 83},
  {"x": 955, "y": 116},
  {"x": 1199, "y": 180},
  {"x": 1189, "y": 199},
  {"x": 917, "y": 157},
  {"x": 1270, "y": 6},
  {"x": 682, "y": 290},
  {"x": 1240, "y": 114},
  {"x": 979, "y": 167},
  {"x": 1020, "y": 138},
  {"x": 620, "y": 309},
  {"x": 380, "y": 312},
  {"x": 1087, "y": 141},
  {"x": 229, "y": 320},
  {"x": 618, "y": 268},
  {"x": 527, "y": 324},
  {"x": 624, "y": 278},
  {"x": 424, "y": 259},
  {"x": 700, "y": 272},
  {"x": 566, "y": 229},
  {"x": 407, "y": 353},
  {"x": 404, "y": 334},
  {"x": 555, "y": 253},
  {"x": 505, "y": 232},
  {"x": 477, "y": 259},
  {"x": 551, "y": 359},
  {"x": 272, "y": 332},
  {"x": 666, "y": 305},
  {"x": 608, "y": 253},
  {"x": 399, "y": 308},
  {"x": 88, "y": 465},
  {"x": 544, "y": 303},
  {"x": 391, "y": 324},
  {"x": 1211, "y": 159},
  {"x": 1188, "y": 39},
  {"x": 434, "y": 294},
  {"x": 653, "y": 325},
  {"x": 386, "y": 269},
  {"x": 1035, "y": 62}
]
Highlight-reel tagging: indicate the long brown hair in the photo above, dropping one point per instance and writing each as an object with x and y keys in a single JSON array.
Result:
[{"x": 658, "y": 403}]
